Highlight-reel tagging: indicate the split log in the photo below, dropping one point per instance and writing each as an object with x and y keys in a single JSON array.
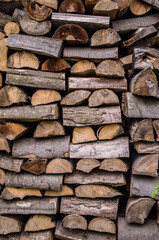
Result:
[
  {"x": 44, "y": 235},
  {"x": 147, "y": 147},
  {"x": 103, "y": 97},
  {"x": 4, "y": 19},
  {"x": 74, "y": 221},
  {"x": 85, "y": 116},
  {"x": 2, "y": 176},
  {"x": 99, "y": 208},
  {"x": 75, "y": 83},
  {"x": 10, "y": 193},
  {"x": 11, "y": 27},
  {"x": 156, "y": 127},
  {"x": 153, "y": 3},
  {"x": 29, "y": 113},
  {"x": 143, "y": 186},
  {"x": 36, "y": 79},
  {"x": 142, "y": 130},
  {"x": 87, "y": 165},
  {"x": 83, "y": 134},
  {"x": 110, "y": 131},
  {"x": 105, "y": 149},
  {"x": 41, "y": 45},
  {"x": 148, "y": 231},
  {"x": 75, "y": 98},
  {"x": 102, "y": 225},
  {"x": 9, "y": 163},
  {"x": 41, "y": 182},
  {"x": 96, "y": 191},
  {"x": 10, "y": 224},
  {"x": 88, "y": 22},
  {"x": 23, "y": 60},
  {"x": 4, "y": 144},
  {"x": 83, "y": 68},
  {"x": 45, "y": 96},
  {"x": 48, "y": 206},
  {"x": 66, "y": 191},
  {"x": 108, "y": 68},
  {"x": 106, "y": 8},
  {"x": 92, "y": 54},
  {"x": 49, "y": 129},
  {"x": 3, "y": 55},
  {"x": 145, "y": 165},
  {"x": 138, "y": 209},
  {"x": 41, "y": 148},
  {"x": 105, "y": 38},
  {"x": 114, "y": 179},
  {"x": 39, "y": 223},
  {"x": 59, "y": 166},
  {"x": 50, "y": 3},
  {"x": 35, "y": 166},
  {"x": 72, "y": 6},
  {"x": 114, "y": 165},
  {"x": 127, "y": 61},
  {"x": 138, "y": 8},
  {"x": 55, "y": 65}
]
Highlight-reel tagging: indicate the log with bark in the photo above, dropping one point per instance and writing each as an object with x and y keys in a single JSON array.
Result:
[
  {"x": 55, "y": 65},
  {"x": 10, "y": 224},
  {"x": 59, "y": 166},
  {"x": 45, "y": 96},
  {"x": 3, "y": 54},
  {"x": 127, "y": 62},
  {"x": 110, "y": 131},
  {"x": 72, "y": 6},
  {"x": 45, "y": 235},
  {"x": 47, "y": 129},
  {"x": 66, "y": 191},
  {"x": 75, "y": 98},
  {"x": 146, "y": 147},
  {"x": 83, "y": 134},
  {"x": 138, "y": 8},
  {"x": 102, "y": 225},
  {"x": 9, "y": 163},
  {"x": 106, "y": 8},
  {"x": 74, "y": 221},
  {"x": 87, "y": 164},
  {"x": 114, "y": 165},
  {"x": 35, "y": 166},
  {"x": 83, "y": 68},
  {"x": 38, "y": 223}
]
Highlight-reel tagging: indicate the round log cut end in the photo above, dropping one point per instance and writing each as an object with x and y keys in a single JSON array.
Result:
[
  {"x": 55, "y": 65},
  {"x": 109, "y": 68},
  {"x": 71, "y": 34},
  {"x": 58, "y": 166},
  {"x": 45, "y": 96},
  {"x": 87, "y": 164},
  {"x": 49, "y": 129},
  {"x": 110, "y": 131},
  {"x": 75, "y": 98},
  {"x": 50, "y": 3},
  {"x": 106, "y": 8},
  {"x": 83, "y": 134},
  {"x": 139, "y": 8},
  {"x": 74, "y": 222},
  {"x": 113, "y": 165},
  {"x": 102, "y": 225},
  {"x": 11, "y": 27},
  {"x": 72, "y": 6},
  {"x": 10, "y": 224},
  {"x": 83, "y": 68}
]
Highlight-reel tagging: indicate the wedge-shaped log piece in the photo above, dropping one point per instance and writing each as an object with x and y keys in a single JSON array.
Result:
[
  {"x": 41, "y": 45},
  {"x": 146, "y": 165},
  {"x": 138, "y": 8},
  {"x": 98, "y": 208},
  {"x": 49, "y": 129},
  {"x": 11, "y": 27},
  {"x": 4, "y": 144},
  {"x": 87, "y": 164},
  {"x": 102, "y": 225},
  {"x": 3, "y": 55},
  {"x": 103, "y": 97},
  {"x": 10, "y": 193},
  {"x": 108, "y": 68},
  {"x": 137, "y": 209},
  {"x": 39, "y": 223},
  {"x": 66, "y": 191},
  {"x": 74, "y": 221},
  {"x": 114, "y": 165},
  {"x": 156, "y": 127},
  {"x": 106, "y": 8},
  {"x": 146, "y": 147},
  {"x": 153, "y": 3},
  {"x": 2, "y": 176},
  {"x": 41, "y": 182},
  {"x": 10, "y": 224},
  {"x": 113, "y": 179},
  {"x": 55, "y": 65},
  {"x": 83, "y": 134},
  {"x": 143, "y": 186},
  {"x": 142, "y": 130},
  {"x": 127, "y": 61},
  {"x": 75, "y": 98},
  {"x": 88, "y": 22},
  {"x": 72, "y": 6},
  {"x": 48, "y": 206},
  {"x": 148, "y": 231},
  {"x": 83, "y": 68},
  {"x": 58, "y": 166},
  {"x": 110, "y": 131},
  {"x": 92, "y": 54},
  {"x": 96, "y": 191},
  {"x": 45, "y": 96},
  {"x": 35, "y": 166},
  {"x": 50, "y": 3},
  {"x": 85, "y": 116},
  {"x": 9, "y": 163},
  {"x": 116, "y": 148}
]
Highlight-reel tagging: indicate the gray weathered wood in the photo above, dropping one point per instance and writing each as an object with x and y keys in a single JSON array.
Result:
[
  {"x": 43, "y": 235},
  {"x": 41, "y": 45},
  {"x": 153, "y": 3},
  {"x": 147, "y": 147},
  {"x": 9, "y": 163},
  {"x": 42, "y": 148},
  {"x": 36, "y": 79},
  {"x": 115, "y": 148}
]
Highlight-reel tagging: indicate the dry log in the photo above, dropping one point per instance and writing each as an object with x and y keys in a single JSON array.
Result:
[
  {"x": 114, "y": 165},
  {"x": 35, "y": 166},
  {"x": 110, "y": 131},
  {"x": 2, "y": 176},
  {"x": 66, "y": 191},
  {"x": 11, "y": 27},
  {"x": 127, "y": 61},
  {"x": 41, "y": 148},
  {"x": 48, "y": 206},
  {"x": 4, "y": 144},
  {"x": 4, "y": 19},
  {"x": 39, "y": 223},
  {"x": 55, "y": 65},
  {"x": 83, "y": 134},
  {"x": 75, "y": 98},
  {"x": 72, "y": 6},
  {"x": 138, "y": 8},
  {"x": 153, "y": 3},
  {"x": 74, "y": 221},
  {"x": 10, "y": 224},
  {"x": 83, "y": 68},
  {"x": 50, "y": 3},
  {"x": 9, "y": 163},
  {"x": 87, "y": 165},
  {"x": 143, "y": 186},
  {"x": 3, "y": 55},
  {"x": 44, "y": 235},
  {"x": 147, "y": 147},
  {"x": 108, "y": 68},
  {"x": 58, "y": 166},
  {"x": 99, "y": 208},
  {"x": 45, "y": 96},
  {"x": 49, "y": 129},
  {"x": 106, "y": 8},
  {"x": 156, "y": 127},
  {"x": 88, "y": 22},
  {"x": 10, "y": 193},
  {"x": 102, "y": 225},
  {"x": 145, "y": 165},
  {"x": 41, "y": 45},
  {"x": 36, "y": 79},
  {"x": 105, "y": 149},
  {"x": 137, "y": 209}
]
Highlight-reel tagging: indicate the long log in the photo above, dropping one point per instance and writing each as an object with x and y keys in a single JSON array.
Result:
[{"x": 9, "y": 163}]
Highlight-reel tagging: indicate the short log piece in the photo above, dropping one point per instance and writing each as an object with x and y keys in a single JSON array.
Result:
[
  {"x": 47, "y": 129},
  {"x": 74, "y": 221},
  {"x": 38, "y": 223},
  {"x": 59, "y": 166},
  {"x": 35, "y": 166},
  {"x": 102, "y": 225},
  {"x": 114, "y": 165},
  {"x": 10, "y": 224},
  {"x": 75, "y": 98},
  {"x": 72, "y": 6},
  {"x": 87, "y": 165}
]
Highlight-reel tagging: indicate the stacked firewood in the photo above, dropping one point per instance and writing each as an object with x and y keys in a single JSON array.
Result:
[{"x": 72, "y": 166}]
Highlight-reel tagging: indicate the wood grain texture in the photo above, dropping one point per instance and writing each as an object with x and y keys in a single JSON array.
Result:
[
  {"x": 9, "y": 163},
  {"x": 147, "y": 147}
]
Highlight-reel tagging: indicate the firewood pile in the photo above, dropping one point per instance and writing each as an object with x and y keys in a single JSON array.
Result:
[{"x": 79, "y": 119}]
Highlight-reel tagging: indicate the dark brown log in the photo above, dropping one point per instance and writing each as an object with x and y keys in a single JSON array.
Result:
[
  {"x": 66, "y": 191},
  {"x": 74, "y": 221},
  {"x": 49, "y": 129},
  {"x": 9, "y": 163},
  {"x": 102, "y": 225},
  {"x": 110, "y": 131},
  {"x": 10, "y": 224},
  {"x": 153, "y": 3},
  {"x": 55, "y": 65},
  {"x": 114, "y": 165},
  {"x": 83, "y": 68},
  {"x": 35, "y": 166},
  {"x": 39, "y": 223},
  {"x": 75, "y": 98},
  {"x": 138, "y": 8},
  {"x": 3, "y": 55},
  {"x": 106, "y": 8},
  {"x": 156, "y": 127},
  {"x": 147, "y": 147},
  {"x": 72, "y": 6},
  {"x": 108, "y": 68},
  {"x": 83, "y": 134},
  {"x": 2, "y": 176},
  {"x": 4, "y": 144},
  {"x": 45, "y": 96},
  {"x": 87, "y": 165},
  {"x": 59, "y": 166}
]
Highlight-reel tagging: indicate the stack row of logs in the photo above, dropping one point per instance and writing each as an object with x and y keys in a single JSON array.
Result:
[{"x": 68, "y": 169}]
